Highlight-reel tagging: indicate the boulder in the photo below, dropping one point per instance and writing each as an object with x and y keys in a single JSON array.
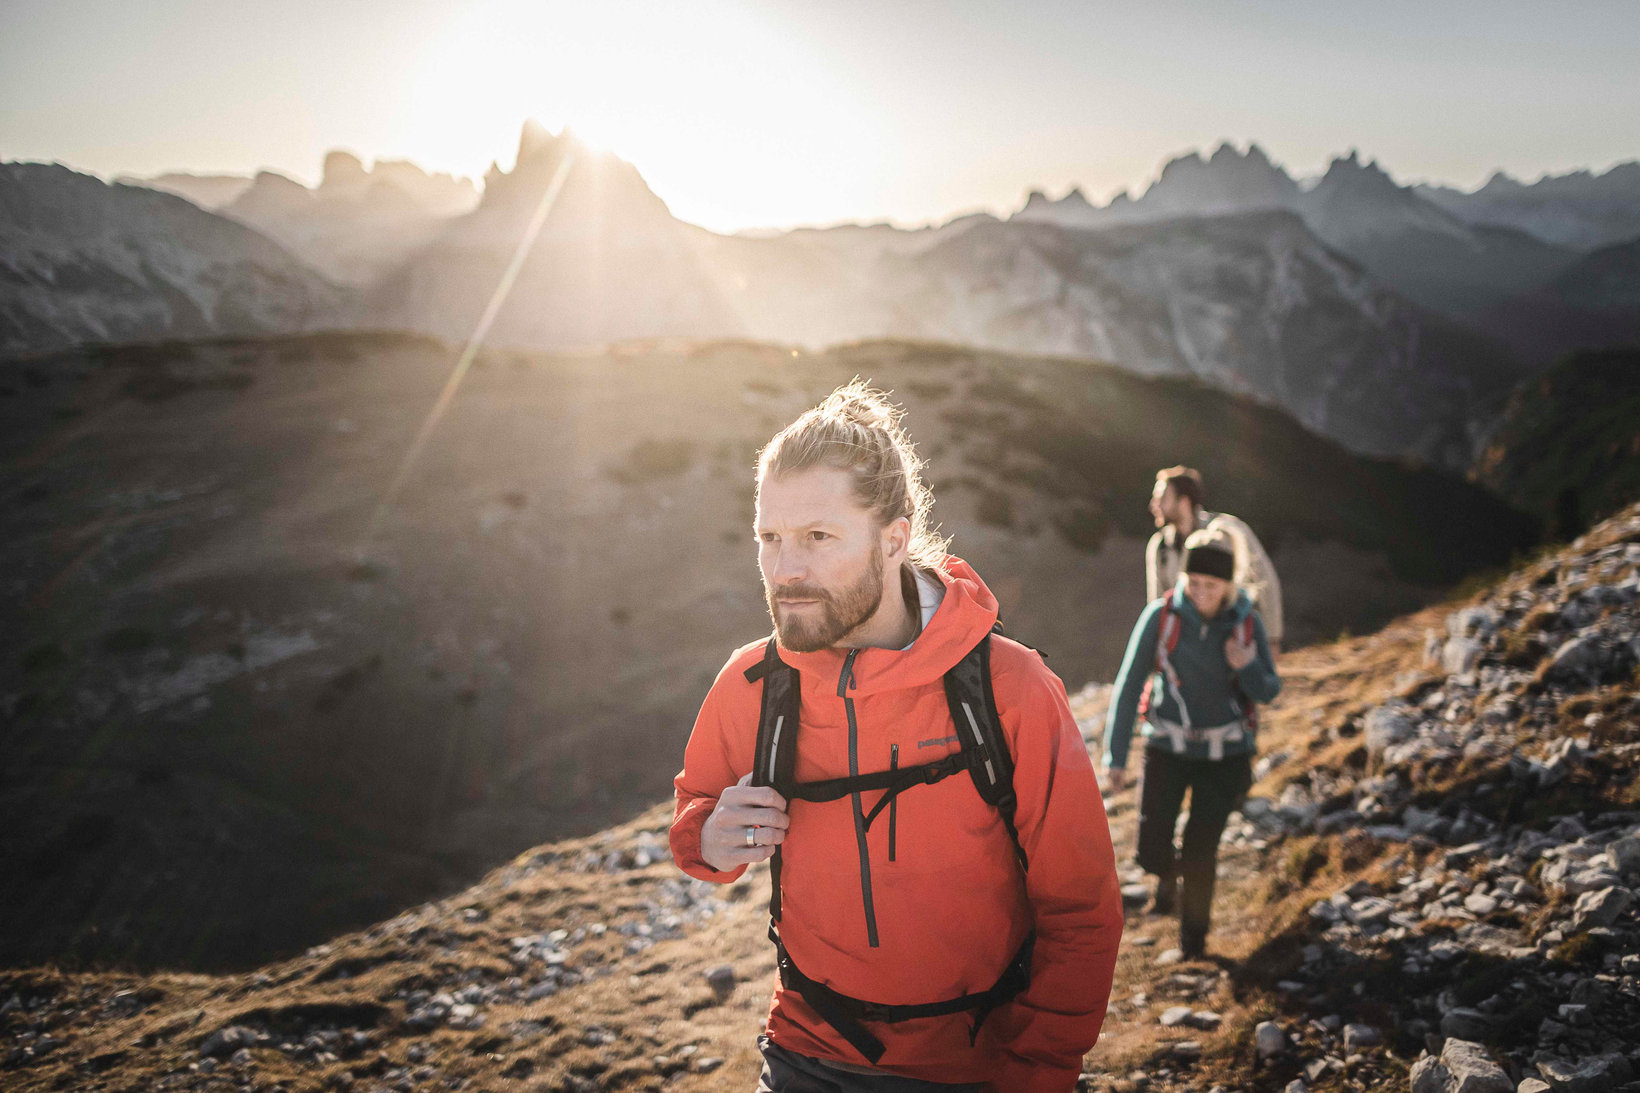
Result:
[
  {"x": 1269, "y": 1040},
  {"x": 1600, "y": 908},
  {"x": 1387, "y": 725},
  {"x": 1472, "y": 1070},
  {"x": 1577, "y": 663}
]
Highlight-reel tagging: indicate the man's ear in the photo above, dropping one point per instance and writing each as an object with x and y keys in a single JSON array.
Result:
[{"x": 896, "y": 540}]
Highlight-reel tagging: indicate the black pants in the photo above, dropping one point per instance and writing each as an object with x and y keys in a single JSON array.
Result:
[
  {"x": 1216, "y": 787},
  {"x": 788, "y": 1072}
]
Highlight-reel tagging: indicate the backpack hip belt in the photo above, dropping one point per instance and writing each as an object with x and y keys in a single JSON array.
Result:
[
  {"x": 982, "y": 752},
  {"x": 1178, "y": 736}
]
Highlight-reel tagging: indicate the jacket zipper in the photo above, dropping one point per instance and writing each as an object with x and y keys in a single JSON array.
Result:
[
  {"x": 894, "y": 803},
  {"x": 844, "y": 681}
]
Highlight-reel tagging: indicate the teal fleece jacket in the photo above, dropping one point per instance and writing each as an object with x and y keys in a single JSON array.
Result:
[{"x": 1205, "y": 678}]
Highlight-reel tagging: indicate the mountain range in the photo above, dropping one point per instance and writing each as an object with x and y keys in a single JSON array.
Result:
[
  {"x": 83, "y": 261},
  {"x": 1420, "y": 248},
  {"x": 1393, "y": 318},
  {"x": 356, "y": 225}
]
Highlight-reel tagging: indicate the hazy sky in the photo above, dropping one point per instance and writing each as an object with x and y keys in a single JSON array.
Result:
[{"x": 742, "y": 113}]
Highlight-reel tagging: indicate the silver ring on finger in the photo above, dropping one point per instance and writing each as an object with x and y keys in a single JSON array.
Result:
[{"x": 751, "y": 836}]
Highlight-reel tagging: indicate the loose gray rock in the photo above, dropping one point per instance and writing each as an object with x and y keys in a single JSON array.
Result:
[
  {"x": 1466, "y": 1024},
  {"x": 1386, "y": 725},
  {"x": 1357, "y": 1036},
  {"x": 1460, "y": 655},
  {"x": 1592, "y": 1075},
  {"x": 1430, "y": 1075},
  {"x": 226, "y": 1041},
  {"x": 1600, "y": 908},
  {"x": 1576, "y": 662},
  {"x": 1532, "y": 1085},
  {"x": 721, "y": 978},
  {"x": 1174, "y": 1016},
  {"x": 1625, "y": 854},
  {"x": 1269, "y": 1040},
  {"x": 1472, "y": 1069}
]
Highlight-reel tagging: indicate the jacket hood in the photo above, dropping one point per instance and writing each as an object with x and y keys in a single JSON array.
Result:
[
  {"x": 1238, "y": 609},
  {"x": 965, "y": 615}
]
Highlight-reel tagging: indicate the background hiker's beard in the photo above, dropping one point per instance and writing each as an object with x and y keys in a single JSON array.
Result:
[{"x": 840, "y": 612}]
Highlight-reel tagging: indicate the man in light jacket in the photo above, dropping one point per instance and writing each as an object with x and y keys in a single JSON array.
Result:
[{"x": 1177, "y": 506}]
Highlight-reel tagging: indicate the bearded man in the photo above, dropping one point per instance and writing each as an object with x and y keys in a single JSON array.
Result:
[{"x": 944, "y": 901}]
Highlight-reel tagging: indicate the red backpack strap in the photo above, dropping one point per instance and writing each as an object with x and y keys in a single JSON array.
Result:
[
  {"x": 1167, "y": 636},
  {"x": 1167, "y": 640}
]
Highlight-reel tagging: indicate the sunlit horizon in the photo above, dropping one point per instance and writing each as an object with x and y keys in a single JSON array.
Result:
[{"x": 775, "y": 115}]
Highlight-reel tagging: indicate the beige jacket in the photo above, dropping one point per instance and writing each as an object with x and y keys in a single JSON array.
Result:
[{"x": 1255, "y": 573}]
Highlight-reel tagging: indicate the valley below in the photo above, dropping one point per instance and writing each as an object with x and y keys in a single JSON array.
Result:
[{"x": 251, "y": 706}]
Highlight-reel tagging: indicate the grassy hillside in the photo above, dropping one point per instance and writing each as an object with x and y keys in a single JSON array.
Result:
[
  {"x": 237, "y": 725},
  {"x": 1568, "y": 447}
]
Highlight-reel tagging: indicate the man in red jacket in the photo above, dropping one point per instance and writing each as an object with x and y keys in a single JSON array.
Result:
[{"x": 927, "y": 938}]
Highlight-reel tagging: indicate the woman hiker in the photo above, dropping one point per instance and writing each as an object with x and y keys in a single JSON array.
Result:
[{"x": 1196, "y": 666}]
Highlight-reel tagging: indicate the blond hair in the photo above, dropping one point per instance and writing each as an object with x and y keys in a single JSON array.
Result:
[{"x": 856, "y": 429}]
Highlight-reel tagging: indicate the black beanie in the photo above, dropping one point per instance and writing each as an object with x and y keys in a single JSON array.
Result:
[{"x": 1212, "y": 561}]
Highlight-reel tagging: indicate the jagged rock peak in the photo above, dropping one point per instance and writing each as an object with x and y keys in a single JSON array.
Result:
[
  {"x": 1350, "y": 168},
  {"x": 344, "y": 169},
  {"x": 1501, "y": 182},
  {"x": 1228, "y": 181}
]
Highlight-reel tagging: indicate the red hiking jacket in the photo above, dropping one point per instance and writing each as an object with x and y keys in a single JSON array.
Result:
[{"x": 951, "y": 909}]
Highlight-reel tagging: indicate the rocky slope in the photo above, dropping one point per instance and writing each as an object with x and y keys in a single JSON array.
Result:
[
  {"x": 82, "y": 261},
  {"x": 1431, "y": 887},
  {"x": 240, "y": 722}
]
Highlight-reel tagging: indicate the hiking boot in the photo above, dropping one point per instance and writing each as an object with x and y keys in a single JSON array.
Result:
[
  {"x": 1192, "y": 940},
  {"x": 1166, "y": 899}
]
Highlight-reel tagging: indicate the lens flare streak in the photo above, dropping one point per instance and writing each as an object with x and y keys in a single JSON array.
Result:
[{"x": 498, "y": 298}]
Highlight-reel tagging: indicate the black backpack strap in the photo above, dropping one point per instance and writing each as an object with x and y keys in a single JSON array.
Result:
[
  {"x": 979, "y": 735},
  {"x": 776, "y": 754},
  {"x": 845, "y": 1013}
]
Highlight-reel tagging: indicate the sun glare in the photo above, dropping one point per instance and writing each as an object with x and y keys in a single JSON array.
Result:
[{"x": 706, "y": 99}]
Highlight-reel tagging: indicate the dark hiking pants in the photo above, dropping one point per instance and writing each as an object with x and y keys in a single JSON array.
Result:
[
  {"x": 1216, "y": 787},
  {"x": 788, "y": 1072}
]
